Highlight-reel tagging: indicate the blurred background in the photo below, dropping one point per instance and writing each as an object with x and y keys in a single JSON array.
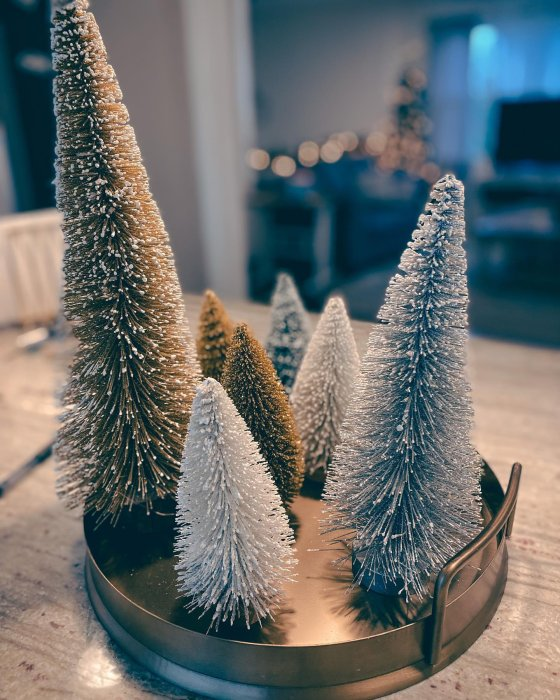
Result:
[{"x": 304, "y": 135}]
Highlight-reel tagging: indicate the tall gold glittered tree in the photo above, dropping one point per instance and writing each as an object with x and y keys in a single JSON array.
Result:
[
  {"x": 253, "y": 385},
  {"x": 133, "y": 378},
  {"x": 214, "y": 335}
]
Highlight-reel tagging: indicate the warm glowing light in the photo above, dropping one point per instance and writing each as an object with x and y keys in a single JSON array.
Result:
[
  {"x": 403, "y": 95},
  {"x": 257, "y": 158},
  {"x": 430, "y": 172},
  {"x": 331, "y": 151},
  {"x": 308, "y": 154},
  {"x": 375, "y": 143},
  {"x": 284, "y": 166},
  {"x": 416, "y": 78},
  {"x": 347, "y": 139}
]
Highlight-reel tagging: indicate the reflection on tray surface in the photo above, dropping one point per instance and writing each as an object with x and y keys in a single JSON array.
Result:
[{"x": 321, "y": 607}]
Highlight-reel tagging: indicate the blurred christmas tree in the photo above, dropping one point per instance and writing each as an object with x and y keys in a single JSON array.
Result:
[
  {"x": 133, "y": 378},
  {"x": 214, "y": 335},
  {"x": 405, "y": 476},
  {"x": 233, "y": 543},
  {"x": 289, "y": 330},
  {"x": 255, "y": 389},
  {"x": 407, "y": 146}
]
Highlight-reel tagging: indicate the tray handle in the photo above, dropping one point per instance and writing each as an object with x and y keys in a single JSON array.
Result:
[{"x": 503, "y": 519}]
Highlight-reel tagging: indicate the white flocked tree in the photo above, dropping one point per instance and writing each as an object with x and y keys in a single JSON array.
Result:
[
  {"x": 234, "y": 545},
  {"x": 324, "y": 386},
  {"x": 405, "y": 476},
  {"x": 289, "y": 331}
]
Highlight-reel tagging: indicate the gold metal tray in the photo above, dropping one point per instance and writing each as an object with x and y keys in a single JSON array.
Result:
[{"x": 329, "y": 640}]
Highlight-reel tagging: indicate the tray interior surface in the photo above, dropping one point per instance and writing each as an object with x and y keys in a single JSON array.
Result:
[{"x": 320, "y": 607}]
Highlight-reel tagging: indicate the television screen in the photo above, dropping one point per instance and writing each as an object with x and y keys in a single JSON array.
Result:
[{"x": 528, "y": 131}]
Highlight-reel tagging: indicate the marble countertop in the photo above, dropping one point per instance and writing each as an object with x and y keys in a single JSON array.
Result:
[{"x": 51, "y": 644}]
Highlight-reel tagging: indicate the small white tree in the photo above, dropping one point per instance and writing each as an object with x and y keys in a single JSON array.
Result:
[
  {"x": 324, "y": 385},
  {"x": 289, "y": 331},
  {"x": 234, "y": 542},
  {"x": 406, "y": 477}
]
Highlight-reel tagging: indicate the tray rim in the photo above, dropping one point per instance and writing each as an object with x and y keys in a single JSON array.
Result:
[
  {"x": 226, "y": 689},
  {"x": 428, "y": 664},
  {"x": 93, "y": 565}
]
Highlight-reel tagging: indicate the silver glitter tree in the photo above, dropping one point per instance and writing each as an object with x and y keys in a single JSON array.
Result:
[
  {"x": 406, "y": 478},
  {"x": 324, "y": 386},
  {"x": 289, "y": 331},
  {"x": 133, "y": 378},
  {"x": 234, "y": 542}
]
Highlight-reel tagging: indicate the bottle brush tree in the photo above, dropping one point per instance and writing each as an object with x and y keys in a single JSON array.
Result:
[
  {"x": 214, "y": 335},
  {"x": 405, "y": 476},
  {"x": 255, "y": 389},
  {"x": 234, "y": 542},
  {"x": 324, "y": 385},
  {"x": 289, "y": 331},
  {"x": 133, "y": 378}
]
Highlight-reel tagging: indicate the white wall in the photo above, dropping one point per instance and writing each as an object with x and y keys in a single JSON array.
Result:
[
  {"x": 330, "y": 65},
  {"x": 185, "y": 70},
  {"x": 218, "y": 45},
  {"x": 144, "y": 40}
]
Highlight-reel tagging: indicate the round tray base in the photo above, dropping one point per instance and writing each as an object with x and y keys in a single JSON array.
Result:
[{"x": 329, "y": 640}]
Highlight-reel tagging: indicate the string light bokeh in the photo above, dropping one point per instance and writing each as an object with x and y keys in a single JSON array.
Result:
[{"x": 401, "y": 145}]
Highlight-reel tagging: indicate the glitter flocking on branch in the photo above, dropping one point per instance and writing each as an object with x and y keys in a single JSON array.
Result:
[
  {"x": 289, "y": 331},
  {"x": 234, "y": 543},
  {"x": 324, "y": 386},
  {"x": 406, "y": 477},
  {"x": 254, "y": 387},
  {"x": 214, "y": 335},
  {"x": 133, "y": 378}
]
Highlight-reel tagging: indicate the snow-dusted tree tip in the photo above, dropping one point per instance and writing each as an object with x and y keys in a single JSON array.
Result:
[
  {"x": 132, "y": 381},
  {"x": 214, "y": 335},
  {"x": 405, "y": 476},
  {"x": 324, "y": 385},
  {"x": 234, "y": 544},
  {"x": 289, "y": 331}
]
